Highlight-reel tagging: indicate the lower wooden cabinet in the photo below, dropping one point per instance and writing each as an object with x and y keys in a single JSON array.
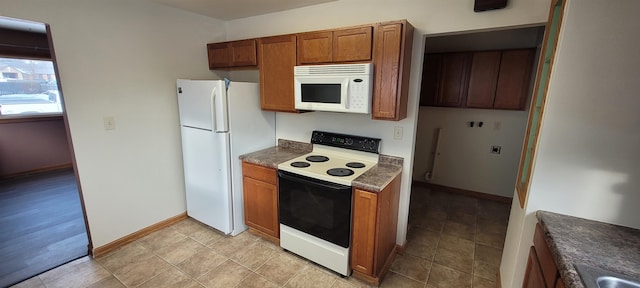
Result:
[
  {"x": 375, "y": 222},
  {"x": 542, "y": 271},
  {"x": 533, "y": 277},
  {"x": 261, "y": 200}
]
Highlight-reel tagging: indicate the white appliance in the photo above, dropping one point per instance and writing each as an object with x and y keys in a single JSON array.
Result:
[
  {"x": 220, "y": 120},
  {"x": 315, "y": 197},
  {"x": 335, "y": 88}
]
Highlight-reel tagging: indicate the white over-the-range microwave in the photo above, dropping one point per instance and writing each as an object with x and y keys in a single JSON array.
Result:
[{"x": 335, "y": 88}]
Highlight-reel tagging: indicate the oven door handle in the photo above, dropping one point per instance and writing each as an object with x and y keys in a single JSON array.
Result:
[{"x": 307, "y": 180}]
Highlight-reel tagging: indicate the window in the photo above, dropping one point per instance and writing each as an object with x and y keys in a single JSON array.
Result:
[{"x": 28, "y": 87}]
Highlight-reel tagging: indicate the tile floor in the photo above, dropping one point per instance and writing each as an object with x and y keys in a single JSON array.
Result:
[{"x": 453, "y": 241}]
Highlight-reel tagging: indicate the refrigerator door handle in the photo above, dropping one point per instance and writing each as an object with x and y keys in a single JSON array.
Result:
[{"x": 219, "y": 101}]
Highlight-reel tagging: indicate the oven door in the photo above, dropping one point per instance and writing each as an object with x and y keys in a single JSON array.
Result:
[
  {"x": 321, "y": 93},
  {"x": 315, "y": 207}
]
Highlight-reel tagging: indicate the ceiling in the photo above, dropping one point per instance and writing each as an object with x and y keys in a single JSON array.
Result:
[{"x": 236, "y": 9}]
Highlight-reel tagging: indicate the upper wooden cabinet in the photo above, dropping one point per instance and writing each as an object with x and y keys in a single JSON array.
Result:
[
  {"x": 483, "y": 77},
  {"x": 277, "y": 57},
  {"x": 392, "y": 46},
  {"x": 387, "y": 45},
  {"x": 452, "y": 86},
  {"x": 232, "y": 54},
  {"x": 444, "y": 79},
  {"x": 514, "y": 79},
  {"x": 487, "y": 79},
  {"x": 343, "y": 45}
]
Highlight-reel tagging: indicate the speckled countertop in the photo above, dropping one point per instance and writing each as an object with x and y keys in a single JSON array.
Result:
[
  {"x": 375, "y": 179},
  {"x": 580, "y": 241},
  {"x": 271, "y": 157}
]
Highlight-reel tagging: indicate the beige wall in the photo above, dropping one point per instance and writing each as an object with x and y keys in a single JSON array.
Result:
[
  {"x": 464, "y": 159},
  {"x": 27, "y": 146},
  {"x": 121, "y": 58},
  {"x": 428, "y": 17},
  {"x": 587, "y": 159}
]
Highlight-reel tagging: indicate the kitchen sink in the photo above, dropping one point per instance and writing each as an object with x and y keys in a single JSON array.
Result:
[
  {"x": 615, "y": 282},
  {"x": 593, "y": 277}
]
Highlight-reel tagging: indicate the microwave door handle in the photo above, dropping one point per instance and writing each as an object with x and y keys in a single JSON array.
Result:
[
  {"x": 347, "y": 86},
  {"x": 328, "y": 185}
]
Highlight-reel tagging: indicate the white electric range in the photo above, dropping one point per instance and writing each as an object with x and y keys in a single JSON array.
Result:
[
  {"x": 331, "y": 164},
  {"x": 315, "y": 197}
]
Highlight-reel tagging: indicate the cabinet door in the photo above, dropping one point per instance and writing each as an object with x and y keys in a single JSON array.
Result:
[
  {"x": 315, "y": 47},
  {"x": 533, "y": 275},
  {"x": 514, "y": 79},
  {"x": 243, "y": 53},
  {"x": 559, "y": 283},
  {"x": 545, "y": 258},
  {"x": 387, "y": 222},
  {"x": 219, "y": 55},
  {"x": 364, "y": 231},
  {"x": 276, "y": 59},
  {"x": 483, "y": 77},
  {"x": 261, "y": 206},
  {"x": 430, "y": 76},
  {"x": 453, "y": 80},
  {"x": 352, "y": 44},
  {"x": 392, "y": 64}
]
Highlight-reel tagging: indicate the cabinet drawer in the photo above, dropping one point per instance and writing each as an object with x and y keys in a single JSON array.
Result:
[
  {"x": 547, "y": 264},
  {"x": 258, "y": 172}
]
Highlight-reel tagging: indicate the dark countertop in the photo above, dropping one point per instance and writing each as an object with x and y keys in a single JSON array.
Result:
[
  {"x": 271, "y": 157},
  {"x": 374, "y": 180},
  {"x": 575, "y": 240}
]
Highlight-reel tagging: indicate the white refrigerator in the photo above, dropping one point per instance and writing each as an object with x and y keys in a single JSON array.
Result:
[{"x": 220, "y": 121}]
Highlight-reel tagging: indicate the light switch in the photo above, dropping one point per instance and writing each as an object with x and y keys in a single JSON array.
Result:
[{"x": 397, "y": 133}]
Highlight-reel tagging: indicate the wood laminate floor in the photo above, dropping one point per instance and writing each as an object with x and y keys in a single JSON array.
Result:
[{"x": 41, "y": 225}]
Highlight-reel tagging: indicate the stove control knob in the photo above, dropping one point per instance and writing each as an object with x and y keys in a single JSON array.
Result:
[{"x": 349, "y": 141}]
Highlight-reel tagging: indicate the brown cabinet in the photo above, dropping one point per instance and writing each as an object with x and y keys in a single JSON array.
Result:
[
  {"x": 533, "y": 276},
  {"x": 344, "y": 45},
  {"x": 514, "y": 79},
  {"x": 261, "y": 200},
  {"x": 452, "y": 86},
  {"x": 375, "y": 221},
  {"x": 430, "y": 77},
  {"x": 277, "y": 57},
  {"x": 487, "y": 79},
  {"x": 483, "y": 77},
  {"x": 387, "y": 45},
  {"x": 392, "y": 46},
  {"x": 232, "y": 54},
  {"x": 542, "y": 271},
  {"x": 444, "y": 79}
]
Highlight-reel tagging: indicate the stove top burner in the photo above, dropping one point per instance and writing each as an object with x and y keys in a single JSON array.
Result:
[
  {"x": 300, "y": 164},
  {"x": 340, "y": 172},
  {"x": 355, "y": 165},
  {"x": 317, "y": 158}
]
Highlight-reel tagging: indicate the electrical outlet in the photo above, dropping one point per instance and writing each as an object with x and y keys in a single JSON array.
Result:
[
  {"x": 397, "y": 133},
  {"x": 495, "y": 149},
  {"x": 109, "y": 123}
]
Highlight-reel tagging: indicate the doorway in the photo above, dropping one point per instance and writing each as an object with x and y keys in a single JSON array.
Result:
[
  {"x": 42, "y": 219},
  {"x": 466, "y": 157}
]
